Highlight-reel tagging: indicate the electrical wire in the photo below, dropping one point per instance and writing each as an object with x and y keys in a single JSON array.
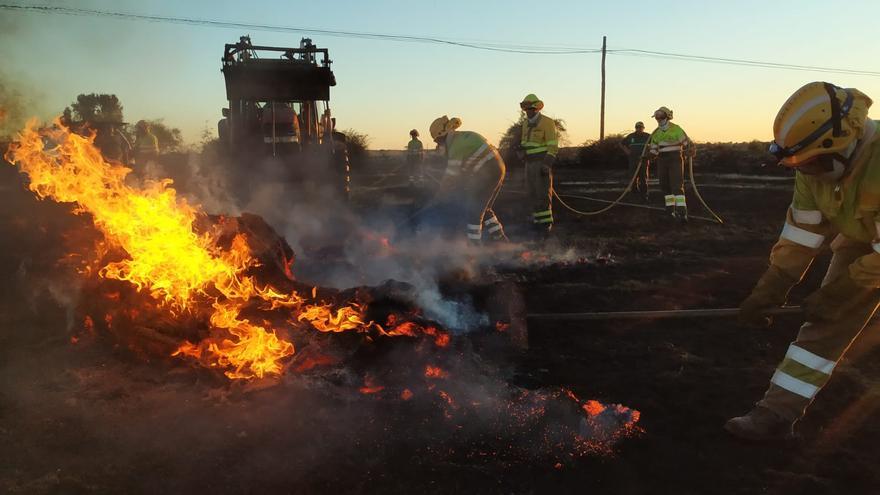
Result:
[
  {"x": 477, "y": 45},
  {"x": 490, "y": 46}
]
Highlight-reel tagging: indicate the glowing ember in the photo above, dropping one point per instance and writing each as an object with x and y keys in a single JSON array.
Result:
[
  {"x": 370, "y": 387},
  {"x": 165, "y": 257},
  {"x": 435, "y": 372}
]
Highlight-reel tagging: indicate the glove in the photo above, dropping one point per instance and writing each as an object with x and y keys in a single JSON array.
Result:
[
  {"x": 770, "y": 292},
  {"x": 835, "y": 299}
]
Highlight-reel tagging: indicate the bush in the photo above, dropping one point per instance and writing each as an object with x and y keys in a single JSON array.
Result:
[{"x": 358, "y": 143}]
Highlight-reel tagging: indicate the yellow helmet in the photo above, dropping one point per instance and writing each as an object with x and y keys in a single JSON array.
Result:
[
  {"x": 531, "y": 101},
  {"x": 442, "y": 125},
  {"x": 818, "y": 119},
  {"x": 665, "y": 110}
]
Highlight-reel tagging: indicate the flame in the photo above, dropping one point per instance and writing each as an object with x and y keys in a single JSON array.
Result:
[{"x": 164, "y": 256}]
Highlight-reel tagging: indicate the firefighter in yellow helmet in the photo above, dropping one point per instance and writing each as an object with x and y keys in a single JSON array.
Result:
[
  {"x": 823, "y": 133},
  {"x": 539, "y": 143},
  {"x": 474, "y": 175},
  {"x": 667, "y": 147}
]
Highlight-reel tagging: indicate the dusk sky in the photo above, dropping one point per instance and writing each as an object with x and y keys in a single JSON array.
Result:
[{"x": 385, "y": 88}]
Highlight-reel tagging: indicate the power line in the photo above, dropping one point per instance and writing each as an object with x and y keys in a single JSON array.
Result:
[
  {"x": 478, "y": 45},
  {"x": 491, "y": 46},
  {"x": 734, "y": 61}
]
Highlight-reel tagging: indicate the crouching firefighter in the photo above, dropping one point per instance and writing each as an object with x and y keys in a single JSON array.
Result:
[
  {"x": 667, "y": 147},
  {"x": 474, "y": 175},
  {"x": 823, "y": 133}
]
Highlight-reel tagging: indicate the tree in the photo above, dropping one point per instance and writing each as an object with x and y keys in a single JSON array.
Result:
[{"x": 95, "y": 107}]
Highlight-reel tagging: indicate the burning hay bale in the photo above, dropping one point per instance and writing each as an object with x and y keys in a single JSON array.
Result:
[{"x": 166, "y": 280}]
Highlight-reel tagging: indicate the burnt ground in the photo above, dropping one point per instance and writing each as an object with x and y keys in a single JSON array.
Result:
[{"x": 96, "y": 419}]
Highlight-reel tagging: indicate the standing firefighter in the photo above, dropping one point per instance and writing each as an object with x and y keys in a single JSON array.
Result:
[
  {"x": 474, "y": 174},
  {"x": 668, "y": 145},
  {"x": 634, "y": 145},
  {"x": 823, "y": 132},
  {"x": 146, "y": 144},
  {"x": 415, "y": 154},
  {"x": 539, "y": 144}
]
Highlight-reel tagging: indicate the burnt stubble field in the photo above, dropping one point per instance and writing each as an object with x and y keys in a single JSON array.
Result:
[{"x": 85, "y": 414}]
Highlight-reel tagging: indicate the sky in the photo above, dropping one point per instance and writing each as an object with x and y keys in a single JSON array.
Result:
[{"x": 385, "y": 88}]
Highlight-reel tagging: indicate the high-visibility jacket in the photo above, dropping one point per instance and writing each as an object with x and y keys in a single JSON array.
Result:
[
  {"x": 540, "y": 138},
  {"x": 467, "y": 153},
  {"x": 669, "y": 140},
  {"x": 414, "y": 147},
  {"x": 147, "y": 143},
  {"x": 820, "y": 209}
]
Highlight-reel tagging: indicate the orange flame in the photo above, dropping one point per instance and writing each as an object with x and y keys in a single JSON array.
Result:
[{"x": 178, "y": 267}]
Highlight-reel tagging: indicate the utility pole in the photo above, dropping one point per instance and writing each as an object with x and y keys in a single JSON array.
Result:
[{"x": 602, "y": 107}]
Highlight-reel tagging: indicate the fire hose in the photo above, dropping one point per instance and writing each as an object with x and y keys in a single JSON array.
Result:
[
  {"x": 629, "y": 185},
  {"x": 650, "y": 315}
]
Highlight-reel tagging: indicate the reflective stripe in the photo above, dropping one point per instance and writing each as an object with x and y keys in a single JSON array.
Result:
[
  {"x": 801, "y": 236},
  {"x": 796, "y": 115},
  {"x": 876, "y": 242},
  {"x": 794, "y": 385},
  {"x": 540, "y": 149},
  {"x": 490, "y": 221},
  {"x": 455, "y": 163},
  {"x": 545, "y": 216},
  {"x": 667, "y": 149},
  {"x": 810, "y": 360},
  {"x": 806, "y": 217},
  {"x": 474, "y": 227},
  {"x": 494, "y": 228},
  {"x": 552, "y": 142},
  {"x": 281, "y": 139},
  {"x": 482, "y": 162},
  {"x": 475, "y": 237},
  {"x": 680, "y": 200},
  {"x": 669, "y": 199}
]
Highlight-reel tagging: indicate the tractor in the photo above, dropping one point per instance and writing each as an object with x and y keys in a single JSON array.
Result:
[{"x": 273, "y": 114}]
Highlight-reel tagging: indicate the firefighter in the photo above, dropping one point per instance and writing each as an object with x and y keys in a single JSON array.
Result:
[
  {"x": 667, "y": 147},
  {"x": 146, "y": 144},
  {"x": 415, "y": 154},
  {"x": 823, "y": 133},
  {"x": 474, "y": 175},
  {"x": 110, "y": 141},
  {"x": 633, "y": 145},
  {"x": 539, "y": 143}
]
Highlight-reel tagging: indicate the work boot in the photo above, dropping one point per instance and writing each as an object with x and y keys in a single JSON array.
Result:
[
  {"x": 682, "y": 214},
  {"x": 760, "y": 424}
]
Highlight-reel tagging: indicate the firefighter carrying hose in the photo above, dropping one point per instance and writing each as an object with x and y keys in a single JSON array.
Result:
[
  {"x": 823, "y": 133},
  {"x": 667, "y": 148},
  {"x": 540, "y": 144},
  {"x": 474, "y": 175}
]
